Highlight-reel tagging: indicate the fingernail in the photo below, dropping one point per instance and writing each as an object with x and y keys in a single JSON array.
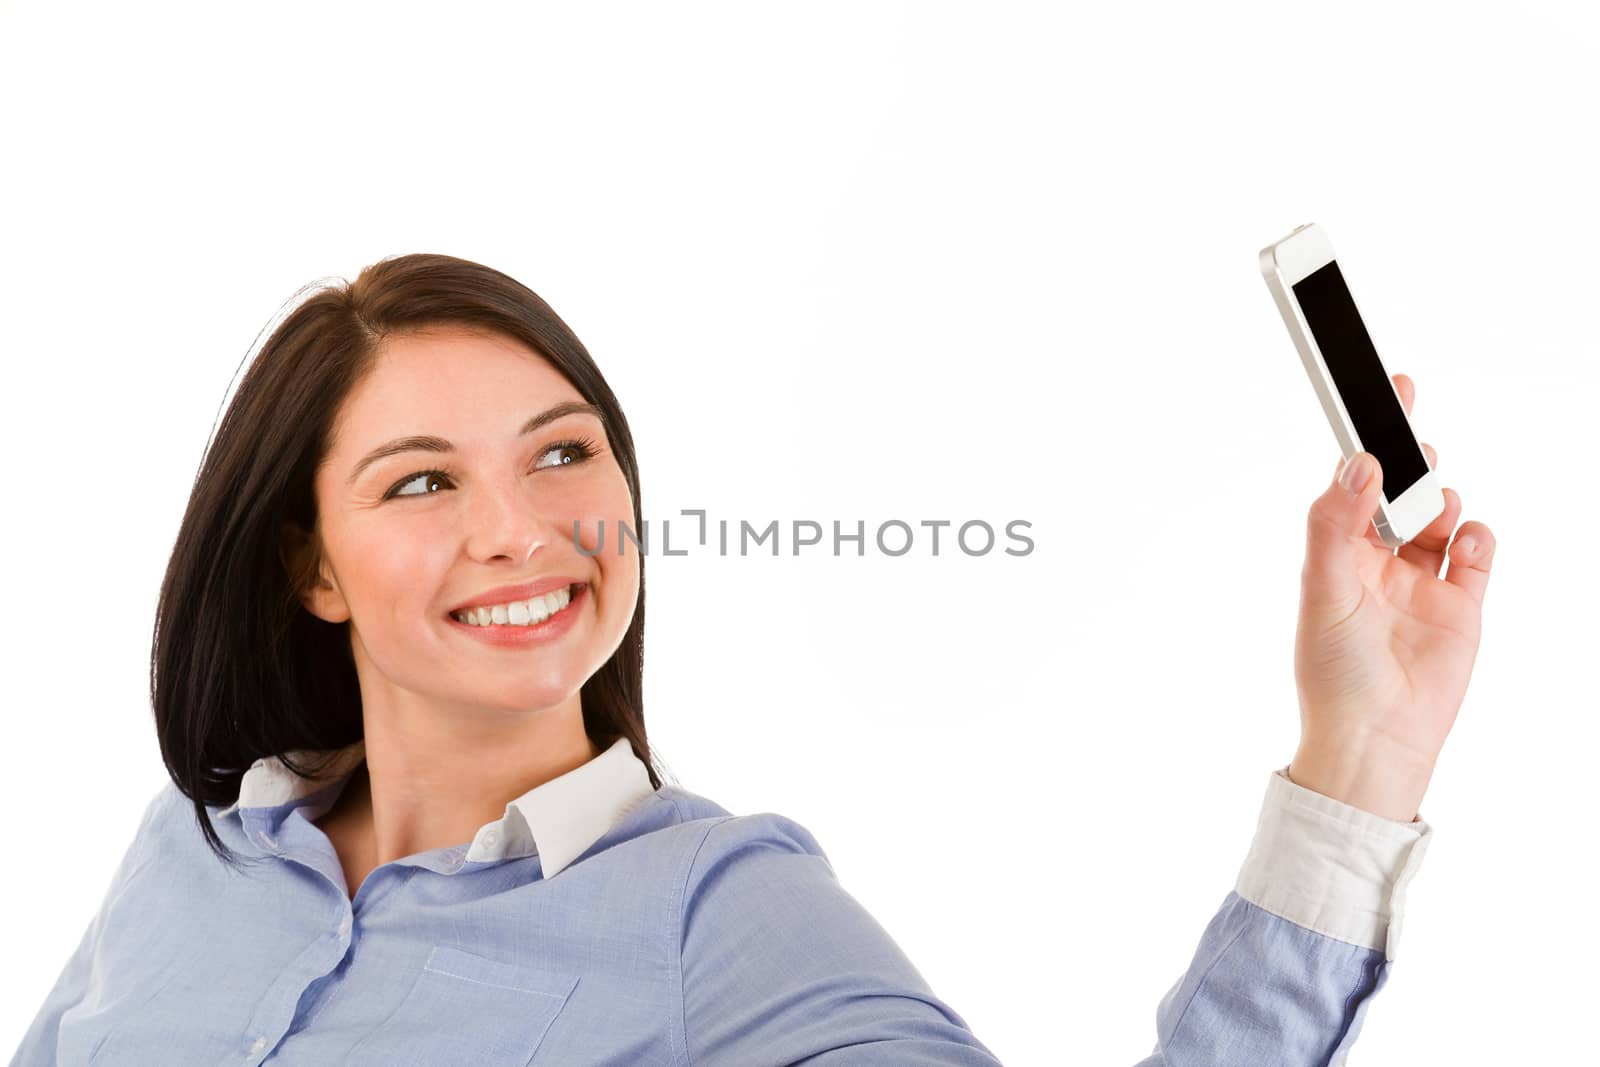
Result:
[
  {"x": 1356, "y": 473},
  {"x": 1468, "y": 545}
]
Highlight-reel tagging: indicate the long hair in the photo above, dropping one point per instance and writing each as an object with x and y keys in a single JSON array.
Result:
[{"x": 239, "y": 670}]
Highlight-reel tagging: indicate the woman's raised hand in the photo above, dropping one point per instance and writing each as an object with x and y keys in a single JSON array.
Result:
[{"x": 1384, "y": 645}]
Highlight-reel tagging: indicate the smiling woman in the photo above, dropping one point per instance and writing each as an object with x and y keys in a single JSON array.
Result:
[
  {"x": 414, "y": 817},
  {"x": 398, "y": 690}
]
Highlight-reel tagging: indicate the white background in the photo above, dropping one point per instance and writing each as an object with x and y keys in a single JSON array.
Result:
[{"x": 865, "y": 262}]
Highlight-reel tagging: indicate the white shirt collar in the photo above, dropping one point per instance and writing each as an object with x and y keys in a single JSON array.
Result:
[{"x": 558, "y": 819}]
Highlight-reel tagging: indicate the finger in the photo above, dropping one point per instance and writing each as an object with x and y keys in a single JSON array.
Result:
[
  {"x": 1338, "y": 522},
  {"x": 1372, "y": 528},
  {"x": 1427, "y": 549},
  {"x": 1372, "y": 533},
  {"x": 1407, "y": 390},
  {"x": 1471, "y": 555}
]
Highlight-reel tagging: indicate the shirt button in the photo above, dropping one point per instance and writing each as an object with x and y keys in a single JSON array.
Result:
[
  {"x": 260, "y": 1044},
  {"x": 344, "y": 925},
  {"x": 491, "y": 837}
]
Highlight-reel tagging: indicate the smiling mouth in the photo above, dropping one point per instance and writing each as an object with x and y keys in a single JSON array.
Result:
[{"x": 520, "y": 613}]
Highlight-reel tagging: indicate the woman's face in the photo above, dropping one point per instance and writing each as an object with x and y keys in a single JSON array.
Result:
[{"x": 401, "y": 548}]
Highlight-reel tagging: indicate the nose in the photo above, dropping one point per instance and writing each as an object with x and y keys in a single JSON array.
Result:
[{"x": 506, "y": 520}]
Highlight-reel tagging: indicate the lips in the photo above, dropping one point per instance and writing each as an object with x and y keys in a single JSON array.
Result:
[
  {"x": 533, "y": 635},
  {"x": 506, "y": 593}
]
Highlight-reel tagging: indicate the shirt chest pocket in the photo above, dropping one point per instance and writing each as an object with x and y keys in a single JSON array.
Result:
[{"x": 468, "y": 1011}]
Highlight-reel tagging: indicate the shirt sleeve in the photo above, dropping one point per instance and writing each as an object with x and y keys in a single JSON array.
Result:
[
  {"x": 779, "y": 964},
  {"x": 1287, "y": 968},
  {"x": 40, "y": 1043}
]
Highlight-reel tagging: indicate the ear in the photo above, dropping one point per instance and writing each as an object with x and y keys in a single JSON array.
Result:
[{"x": 309, "y": 574}]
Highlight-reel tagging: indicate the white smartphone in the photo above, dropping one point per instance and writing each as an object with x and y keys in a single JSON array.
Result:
[{"x": 1356, "y": 391}]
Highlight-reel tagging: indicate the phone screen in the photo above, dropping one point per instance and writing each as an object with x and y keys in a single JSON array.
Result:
[{"x": 1358, "y": 374}]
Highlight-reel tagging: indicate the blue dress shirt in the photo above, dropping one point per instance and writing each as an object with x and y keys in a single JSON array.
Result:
[{"x": 602, "y": 922}]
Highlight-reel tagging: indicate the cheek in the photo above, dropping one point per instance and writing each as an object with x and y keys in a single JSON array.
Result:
[
  {"x": 389, "y": 569},
  {"x": 400, "y": 570},
  {"x": 607, "y": 500},
  {"x": 585, "y": 503},
  {"x": 618, "y": 595}
]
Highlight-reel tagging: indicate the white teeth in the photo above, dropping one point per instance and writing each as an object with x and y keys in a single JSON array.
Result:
[{"x": 518, "y": 612}]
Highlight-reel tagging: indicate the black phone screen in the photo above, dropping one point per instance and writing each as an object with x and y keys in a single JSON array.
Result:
[{"x": 1357, "y": 373}]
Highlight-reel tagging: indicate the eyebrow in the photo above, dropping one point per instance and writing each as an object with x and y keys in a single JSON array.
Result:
[{"x": 430, "y": 443}]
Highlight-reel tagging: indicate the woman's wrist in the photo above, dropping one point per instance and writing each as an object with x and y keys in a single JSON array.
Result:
[{"x": 1366, "y": 775}]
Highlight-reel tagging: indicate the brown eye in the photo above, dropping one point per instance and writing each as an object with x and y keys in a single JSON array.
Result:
[
  {"x": 432, "y": 478},
  {"x": 580, "y": 450}
]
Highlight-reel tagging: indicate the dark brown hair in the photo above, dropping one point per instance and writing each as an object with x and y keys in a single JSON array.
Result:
[{"x": 239, "y": 670}]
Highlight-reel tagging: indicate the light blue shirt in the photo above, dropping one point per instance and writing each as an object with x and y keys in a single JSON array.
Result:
[{"x": 603, "y": 922}]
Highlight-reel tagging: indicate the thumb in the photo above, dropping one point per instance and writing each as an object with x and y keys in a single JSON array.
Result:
[{"x": 1337, "y": 525}]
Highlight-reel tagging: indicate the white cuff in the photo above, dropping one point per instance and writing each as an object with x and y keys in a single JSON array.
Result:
[{"x": 1330, "y": 867}]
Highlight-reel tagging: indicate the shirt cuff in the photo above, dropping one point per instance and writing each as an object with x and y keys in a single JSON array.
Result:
[{"x": 1330, "y": 867}]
